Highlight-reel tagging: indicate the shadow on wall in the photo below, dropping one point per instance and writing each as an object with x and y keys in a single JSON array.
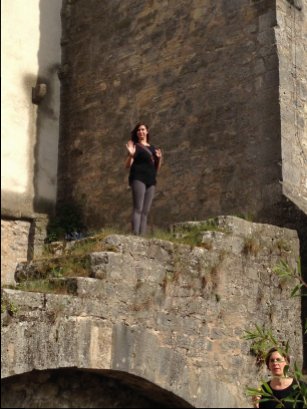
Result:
[
  {"x": 80, "y": 388},
  {"x": 46, "y": 94},
  {"x": 16, "y": 201},
  {"x": 288, "y": 215}
]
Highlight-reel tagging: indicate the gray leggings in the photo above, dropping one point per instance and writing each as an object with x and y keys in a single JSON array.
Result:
[{"x": 142, "y": 200}]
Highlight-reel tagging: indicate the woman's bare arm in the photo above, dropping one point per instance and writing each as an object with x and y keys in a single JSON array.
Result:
[
  {"x": 159, "y": 157},
  {"x": 129, "y": 162},
  {"x": 131, "y": 152}
]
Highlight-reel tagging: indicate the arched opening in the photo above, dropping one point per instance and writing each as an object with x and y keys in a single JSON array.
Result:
[{"x": 73, "y": 387}]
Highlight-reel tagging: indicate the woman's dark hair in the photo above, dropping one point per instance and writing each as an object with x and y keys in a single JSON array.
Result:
[
  {"x": 134, "y": 135},
  {"x": 270, "y": 352}
]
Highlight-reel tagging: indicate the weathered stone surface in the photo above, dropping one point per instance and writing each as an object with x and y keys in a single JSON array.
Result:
[
  {"x": 205, "y": 76},
  {"x": 191, "y": 70},
  {"x": 168, "y": 313},
  {"x": 21, "y": 241},
  {"x": 14, "y": 247},
  {"x": 43, "y": 268},
  {"x": 233, "y": 234},
  {"x": 291, "y": 34},
  {"x": 38, "y": 235}
]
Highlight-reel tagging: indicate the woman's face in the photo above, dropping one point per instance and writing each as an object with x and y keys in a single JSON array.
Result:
[
  {"x": 277, "y": 364},
  {"x": 142, "y": 133}
]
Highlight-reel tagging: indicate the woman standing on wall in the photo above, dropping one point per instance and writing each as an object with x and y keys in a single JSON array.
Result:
[{"x": 144, "y": 160}]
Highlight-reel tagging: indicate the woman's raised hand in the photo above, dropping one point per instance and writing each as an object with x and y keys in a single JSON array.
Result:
[
  {"x": 130, "y": 148},
  {"x": 158, "y": 153}
]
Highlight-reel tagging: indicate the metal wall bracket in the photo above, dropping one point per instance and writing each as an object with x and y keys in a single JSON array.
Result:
[{"x": 38, "y": 93}]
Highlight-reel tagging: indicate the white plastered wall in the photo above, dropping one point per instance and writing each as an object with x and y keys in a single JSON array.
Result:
[{"x": 30, "y": 32}]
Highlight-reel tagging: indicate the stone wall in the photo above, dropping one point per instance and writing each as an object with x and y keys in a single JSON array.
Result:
[
  {"x": 203, "y": 74},
  {"x": 291, "y": 32},
  {"x": 170, "y": 314},
  {"x": 14, "y": 247},
  {"x": 21, "y": 240},
  {"x": 291, "y": 35}
]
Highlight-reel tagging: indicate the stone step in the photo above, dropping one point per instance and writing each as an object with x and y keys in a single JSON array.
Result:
[
  {"x": 153, "y": 258},
  {"x": 127, "y": 252},
  {"x": 100, "y": 265},
  {"x": 234, "y": 225},
  {"x": 62, "y": 248},
  {"x": 51, "y": 267},
  {"x": 235, "y": 234},
  {"x": 141, "y": 247},
  {"x": 124, "y": 266},
  {"x": 87, "y": 287}
]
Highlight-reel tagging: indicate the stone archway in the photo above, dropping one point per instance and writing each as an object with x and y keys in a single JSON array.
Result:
[
  {"x": 72, "y": 387},
  {"x": 166, "y": 313}
]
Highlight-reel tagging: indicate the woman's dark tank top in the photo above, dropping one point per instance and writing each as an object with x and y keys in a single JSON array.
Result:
[{"x": 144, "y": 165}]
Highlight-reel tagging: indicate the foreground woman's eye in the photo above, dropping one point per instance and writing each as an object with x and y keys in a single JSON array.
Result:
[{"x": 276, "y": 360}]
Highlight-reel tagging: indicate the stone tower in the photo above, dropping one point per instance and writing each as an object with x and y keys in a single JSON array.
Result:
[{"x": 222, "y": 85}]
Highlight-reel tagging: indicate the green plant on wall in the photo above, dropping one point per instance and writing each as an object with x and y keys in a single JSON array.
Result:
[
  {"x": 285, "y": 272},
  {"x": 293, "y": 275},
  {"x": 8, "y": 306},
  {"x": 261, "y": 339},
  {"x": 250, "y": 217},
  {"x": 191, "y": 234},
  {"x": 251, "y": 246}
]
